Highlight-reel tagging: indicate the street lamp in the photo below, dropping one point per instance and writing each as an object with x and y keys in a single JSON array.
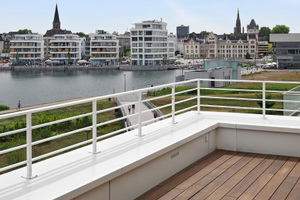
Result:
[{"x": 124, "y": 82}]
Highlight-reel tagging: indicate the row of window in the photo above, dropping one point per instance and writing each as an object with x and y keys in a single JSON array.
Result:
[{"x": 150, "y": 44}]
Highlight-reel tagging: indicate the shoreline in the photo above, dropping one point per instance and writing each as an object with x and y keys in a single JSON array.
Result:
[{"x": 80, "y": 67}]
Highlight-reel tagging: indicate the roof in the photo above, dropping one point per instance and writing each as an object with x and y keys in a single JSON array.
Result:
[
  {"x": 291, "y": 37},
  {"x": 252, "y": 25},
  {"x": 52, "y": 32}
]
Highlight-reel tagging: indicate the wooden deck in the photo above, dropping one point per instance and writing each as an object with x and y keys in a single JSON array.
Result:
[{"x": 233, "y": 175}]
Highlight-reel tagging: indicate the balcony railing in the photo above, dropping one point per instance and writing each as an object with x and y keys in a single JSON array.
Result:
[{"x": 196, "y": 92}]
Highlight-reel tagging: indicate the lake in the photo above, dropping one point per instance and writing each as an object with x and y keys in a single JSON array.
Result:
[{"x": 36, "y": 86}]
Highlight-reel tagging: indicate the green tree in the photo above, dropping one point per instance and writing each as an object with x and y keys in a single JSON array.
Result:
[
  {"x": 81, "y": 34},
  {"x": 177, "y": 52},
  {"x": 280, "y": 29},
  {"x": 247, "y": 56},
  {"x": 264, "y": 32},
  {"x": 269, "y": 104},
  {"x": 25, "y": 31},
  {"x": 204, "y": 32}
]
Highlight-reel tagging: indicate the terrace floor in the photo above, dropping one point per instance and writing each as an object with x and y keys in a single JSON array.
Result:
[{"x": 231, "y": 175}]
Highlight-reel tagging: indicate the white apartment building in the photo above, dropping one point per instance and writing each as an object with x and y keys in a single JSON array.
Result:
[
  {"x": 66, "y": 49},
  {"x": 149, "y": 43},
  {"x": 104, "y": 48},
  {"x": 27, "y": 49}
]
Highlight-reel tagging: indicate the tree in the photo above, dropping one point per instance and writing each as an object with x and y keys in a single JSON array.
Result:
[
  {"x": 269, "y": 104},
  {"x": 25, "y": 31},
  {"x": 247, "y": 56},
  {"x": 280, "y": 29},
  {"x": 204, "y": 33},
  {"x": 177, "y": 52},
  {"x": 264, "y": 32},
  {"x": 81, "y": 34}
]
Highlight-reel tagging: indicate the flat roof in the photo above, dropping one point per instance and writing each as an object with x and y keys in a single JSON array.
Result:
[{"x": 291, "y": 37}]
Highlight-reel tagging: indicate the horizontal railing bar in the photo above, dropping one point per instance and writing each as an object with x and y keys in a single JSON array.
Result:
[
  {"x": 185, "y": 91},
  {"x": 61, "y": 120},
  {"x": 185, "y": 109},
  {"x": 116, "y": 132},
  {"x": 230, "y": 98},
  {"x": 232, "y": 89},
  {"x": 185, "y": 100},
  {"x": 61, "y": 135},
  {"x": 13, "y": 166},
  {"x": 155, "y": 98},
  {"x": 234, "y": 107},
  {"x": 13, "y": 149},
  {"x": 13, "y": 132}
]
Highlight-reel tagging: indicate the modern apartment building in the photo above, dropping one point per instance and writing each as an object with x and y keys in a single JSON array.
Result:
[
  {"x": 66, "y": 49},
  {"x": 27, "y": 49},
  {"x": 104, "y": 48},
  {"x": 149, "y": 43},
  {"x": 287, "y": 50}
]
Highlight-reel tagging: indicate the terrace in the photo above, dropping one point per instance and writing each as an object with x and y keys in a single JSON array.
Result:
[{"x": 125, "y": 164}]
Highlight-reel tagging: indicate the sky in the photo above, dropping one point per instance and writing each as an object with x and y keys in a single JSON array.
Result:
[{"x": 86, "y": 16}]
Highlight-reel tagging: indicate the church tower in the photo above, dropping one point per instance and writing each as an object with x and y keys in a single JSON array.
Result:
[
  {"x": 237, "y": 29},
  {"x": 56, "y": 22}
]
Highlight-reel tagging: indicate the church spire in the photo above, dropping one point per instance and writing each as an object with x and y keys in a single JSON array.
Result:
[
  {"x": 238, "y": 29},
  {"x": 56, "y": 22}
]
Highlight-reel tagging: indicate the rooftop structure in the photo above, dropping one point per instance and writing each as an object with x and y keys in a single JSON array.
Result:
[{"x": 127, "y": 165}]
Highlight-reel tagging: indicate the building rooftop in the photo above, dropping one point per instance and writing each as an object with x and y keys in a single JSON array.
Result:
[{"x": 291, "y": 37}]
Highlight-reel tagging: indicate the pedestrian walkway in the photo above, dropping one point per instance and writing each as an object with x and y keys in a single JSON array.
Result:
[{"x": 132, "y": 99}]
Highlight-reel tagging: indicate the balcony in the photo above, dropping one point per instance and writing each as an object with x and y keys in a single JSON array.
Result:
[{"x": 127, "y": 165}]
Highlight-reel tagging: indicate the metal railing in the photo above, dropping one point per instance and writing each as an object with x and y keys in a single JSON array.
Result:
[{"x": 197, "y": 98}]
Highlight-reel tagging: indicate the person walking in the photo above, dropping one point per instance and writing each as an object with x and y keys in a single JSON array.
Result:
[
  {"x": 129, "y": 108},
  {"x": 19, "y": 105},
  {"x": 133, "y": 108}
]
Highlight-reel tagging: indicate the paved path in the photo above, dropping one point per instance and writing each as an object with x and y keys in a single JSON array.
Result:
[{"x": 133, "y": 99}]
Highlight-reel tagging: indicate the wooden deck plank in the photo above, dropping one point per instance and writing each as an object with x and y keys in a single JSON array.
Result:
[
  {"x": 193, "y": 179},
  {"x": 295, "y": 193},
  {"x": 277, "y": 179},
  {"x": 285, "y": 188},
  {"x": 228, "y": 198},
  {"x": 234, "y": 180},
  {"x": 244, "y": 184},
  {"x": 191, "y": 191},
  {"x": 255, "y": 188},
  {"x": 296, "y": 171},
  {"x": 169, "y": 184},
  {"x": 219, "y": 181}
]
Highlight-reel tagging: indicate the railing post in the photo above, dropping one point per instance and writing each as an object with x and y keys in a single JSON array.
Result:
[
  {"x": 29, "y": 146},
  {"x": 198, "y": 96},
  {"x": 264, "y": 99},
  {"x": 173, "y": 104},
  {"x": 94, "y": 121},
  {"x": 140, "y": 114}
]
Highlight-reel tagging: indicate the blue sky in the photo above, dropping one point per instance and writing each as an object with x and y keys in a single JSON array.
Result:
[{"x": 119, "y": 15}]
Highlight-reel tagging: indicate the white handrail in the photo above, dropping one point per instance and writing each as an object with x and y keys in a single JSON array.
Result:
[{"x": 97, "y": 113}]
